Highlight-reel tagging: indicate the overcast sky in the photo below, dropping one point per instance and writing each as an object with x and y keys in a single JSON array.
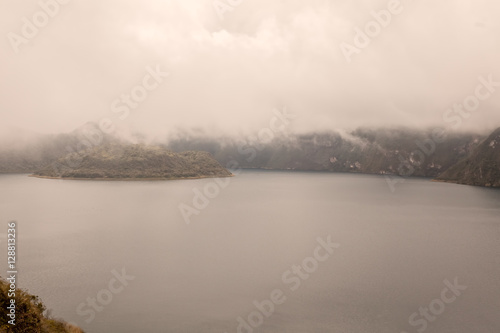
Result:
[{"x": 229, "y": 68}]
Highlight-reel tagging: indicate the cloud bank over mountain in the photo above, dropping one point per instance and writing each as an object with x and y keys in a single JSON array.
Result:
[{"x": 418, "y": 63}]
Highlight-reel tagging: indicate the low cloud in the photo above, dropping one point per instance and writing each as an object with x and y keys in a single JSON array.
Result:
[{"x": 228, "y": 75}]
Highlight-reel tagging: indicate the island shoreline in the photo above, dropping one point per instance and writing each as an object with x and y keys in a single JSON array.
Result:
[{"x": 128, "y": 179}]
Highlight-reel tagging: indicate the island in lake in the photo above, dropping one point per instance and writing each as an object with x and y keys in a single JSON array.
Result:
[{"x": 133, "y": 162}]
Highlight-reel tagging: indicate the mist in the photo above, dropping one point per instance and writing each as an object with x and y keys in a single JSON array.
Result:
[{"x": 226, "y": 67}]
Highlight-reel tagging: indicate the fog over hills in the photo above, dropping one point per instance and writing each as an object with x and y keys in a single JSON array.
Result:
[
  {"x": 391, "y": 151},
  {"x": 129, "y": 90},
  {"x": 286, "y": 85}
]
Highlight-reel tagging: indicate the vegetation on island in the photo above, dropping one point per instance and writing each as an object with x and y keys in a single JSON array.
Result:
[{"x": 114, "y": 161}]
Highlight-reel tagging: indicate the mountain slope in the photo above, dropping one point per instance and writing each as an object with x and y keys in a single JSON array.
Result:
[
  {"x": 29, "y": 315},
  {"x": 129, "y": 161},
  {"x": 481, "y": 168},
  {"x": 403, "y": 151},
  {"x": 371, "y": 151}
]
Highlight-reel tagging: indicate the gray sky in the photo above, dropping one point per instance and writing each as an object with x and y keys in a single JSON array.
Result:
[{"x": 226, "y": 75}]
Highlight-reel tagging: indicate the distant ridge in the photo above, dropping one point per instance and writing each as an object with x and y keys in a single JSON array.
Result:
[
  {"x": 481, "y": 168},
  {"x": 385, "y": 151},
  {"x": 133, "y": 161}
]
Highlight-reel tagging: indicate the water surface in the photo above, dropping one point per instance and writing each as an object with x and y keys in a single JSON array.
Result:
[{"x": 396, "y": 249}]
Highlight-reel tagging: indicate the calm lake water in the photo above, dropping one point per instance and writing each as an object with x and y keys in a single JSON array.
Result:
[{"x": 396, "y": 250}]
